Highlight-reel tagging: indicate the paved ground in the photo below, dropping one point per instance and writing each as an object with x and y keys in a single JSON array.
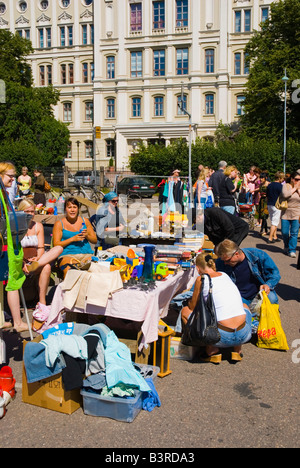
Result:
[{"x": 252, "y": 404}]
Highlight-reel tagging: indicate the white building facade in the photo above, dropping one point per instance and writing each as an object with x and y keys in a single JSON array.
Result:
[
  {"x": 131, "y": 67},
  {"x": 154, "y": 56}
]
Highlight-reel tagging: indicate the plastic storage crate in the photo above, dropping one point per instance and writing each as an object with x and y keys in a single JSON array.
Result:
[{"x": 120, "y": 409}]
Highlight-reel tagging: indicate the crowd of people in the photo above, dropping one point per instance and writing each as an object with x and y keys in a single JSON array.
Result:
[
  {"x": 231, "y": 189},
  {"x": 241, "y": 273}
]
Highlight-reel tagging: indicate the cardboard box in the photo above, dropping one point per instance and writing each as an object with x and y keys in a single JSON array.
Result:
[
  {"x": 180, "y": 351},
  {"x": 49, "y": 393}
]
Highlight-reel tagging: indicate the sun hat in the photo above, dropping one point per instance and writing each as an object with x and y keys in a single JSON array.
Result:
[{"x": 109, "y": 196}]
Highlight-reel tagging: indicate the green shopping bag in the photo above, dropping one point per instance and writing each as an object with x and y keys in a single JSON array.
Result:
[{"x": 16, "y": 275}]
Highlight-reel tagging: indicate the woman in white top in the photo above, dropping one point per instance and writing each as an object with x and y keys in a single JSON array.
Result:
[
  {"x": 36, "y": 260},
  {"x": 234, "y": 317}
]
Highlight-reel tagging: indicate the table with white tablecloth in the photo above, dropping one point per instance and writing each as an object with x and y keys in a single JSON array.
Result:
[{"x": 134, "y": 304}]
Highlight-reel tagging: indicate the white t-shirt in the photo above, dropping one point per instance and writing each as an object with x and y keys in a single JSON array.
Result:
[{"x": 226, "y": 296}]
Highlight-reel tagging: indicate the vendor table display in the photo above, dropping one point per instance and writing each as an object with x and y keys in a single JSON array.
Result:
[{"x": 133, "y": 303}]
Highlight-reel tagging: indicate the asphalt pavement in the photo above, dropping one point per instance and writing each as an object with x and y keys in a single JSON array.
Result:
[{"x": 254, "y": 403}]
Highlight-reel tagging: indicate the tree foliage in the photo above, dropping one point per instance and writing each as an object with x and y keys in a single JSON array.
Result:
[
  {"x": 242, "y": 151},
  {"x": 29, "y": 133},
  {"x": 271, "y": 50}
]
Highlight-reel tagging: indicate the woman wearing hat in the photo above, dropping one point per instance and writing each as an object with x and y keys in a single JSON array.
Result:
[{"x": 109, "y": 222}]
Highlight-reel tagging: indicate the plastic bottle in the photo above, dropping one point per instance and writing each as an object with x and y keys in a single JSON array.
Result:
[
  {"x": 99, "y": 252},
  {"x": 83, "y": 226}
]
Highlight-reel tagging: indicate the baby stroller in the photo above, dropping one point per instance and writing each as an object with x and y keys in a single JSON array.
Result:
[{"x": 246, "y": 210}]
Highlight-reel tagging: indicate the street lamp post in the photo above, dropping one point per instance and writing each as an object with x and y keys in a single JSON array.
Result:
[
  {"x": 191, "y": 204},
  {"x": 285, "y": 80},
  {"x": 78, "y": 143}
]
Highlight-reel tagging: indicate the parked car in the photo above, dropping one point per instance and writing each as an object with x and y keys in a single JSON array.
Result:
[
  {"x": 87, "y": 177},
  {"x": 136, "y": 185}
]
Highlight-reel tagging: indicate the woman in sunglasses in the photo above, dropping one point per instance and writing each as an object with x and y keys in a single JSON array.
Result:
[
  {"x": 290, "y": 217},
  {"x": 109, "y": 222}
]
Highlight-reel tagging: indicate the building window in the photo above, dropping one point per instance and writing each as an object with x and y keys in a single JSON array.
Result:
[
  {"x": 111, "y": 108},
  {"x": 67, "y": 112},
  {"x": 71, "y": 73},
  {"x": 89, "y": 111},
  {"x": 84, "y": 34},
  {"x": 238, "y": 21},
  {"x": 42, "y": 75},
  {"x": 240, "y": 105},
  {"x": 182, "y": 62},
  {"x": 85, "y": 73},
  {"x": 63, "y": 74},
  {"x": 136, "y": 107},
  {"x": 181, "y": 104},
  {"x": 209, "y": 61},
  {"x": 264, "y": 14},
  {"x": 2, "y": 8},
  {"x": 247, "y": 21},
  {"x": 159, "y": 15},
  {"x": 237, "y": 63},
  {"x": 246, "y": 64},
  {"x": 242, "y": 21},
  {"x": 136, "y": 65},
  {"x": 45, "y": 75},
  {"x": 158, "y": 106},
  {"x": 159, "y": 63},
  {"x": 111, "y": 148},
  {"x": 44, "y": 4},
  {"x": 66, "y": 36},
  {"x": 87, "y": 34},
  {"x": 135, "y": 17},
  {"x": 25, "y": 33},
  {"x": 65, "y": 3},
  {"x": 110, "y": 67},
  {"x": 182, "y": 13},
  {"x": 89, "y": 149},
  {"x": 209, "y": 104},
  {"x": 44, "y": 37}
]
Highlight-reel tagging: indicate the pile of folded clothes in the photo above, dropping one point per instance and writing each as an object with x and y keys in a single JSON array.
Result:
[{"x": 88, "y": 357}]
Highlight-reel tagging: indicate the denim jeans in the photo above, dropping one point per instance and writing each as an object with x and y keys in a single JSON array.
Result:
[
  {"x": 289, "y": 230},
  {"x": 237, "y": 338},
  {"x": 229, "y": 209}
]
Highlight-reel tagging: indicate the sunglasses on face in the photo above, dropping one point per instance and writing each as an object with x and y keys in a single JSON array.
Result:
[
  {"x": 11, "y": 176},
  {"x": 229, "y": 259},
  {"x": 115, "y": 201}
]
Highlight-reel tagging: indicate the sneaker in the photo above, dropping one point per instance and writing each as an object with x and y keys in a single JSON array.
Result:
[
  {"x": 2, "y": 404},
  {"x": 292, "y": 254},
  {"x": 7, "y": 381},
  {"x": 286, "y": 250}
]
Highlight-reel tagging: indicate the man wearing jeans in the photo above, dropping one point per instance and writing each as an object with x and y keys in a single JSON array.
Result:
[{"x": 252, "y": 270}]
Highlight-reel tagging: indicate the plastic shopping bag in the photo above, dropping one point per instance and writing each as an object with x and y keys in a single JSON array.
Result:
[{"x": 270, "y": 333}]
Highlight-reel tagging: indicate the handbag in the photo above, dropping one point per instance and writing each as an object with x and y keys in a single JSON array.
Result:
[
  {"x": 16, "y": 276},
  {"x": 202, "y": 326},
  {"x": 281, "y": 204},
  {"x": 3, "y": 262}
]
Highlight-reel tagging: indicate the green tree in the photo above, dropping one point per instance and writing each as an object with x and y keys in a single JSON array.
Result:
[
  {"x": 270, "y": 51},
  {"x": 29, "y": 133}
]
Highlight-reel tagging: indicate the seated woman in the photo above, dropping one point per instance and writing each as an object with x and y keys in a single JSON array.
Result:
[
  {"x": 36, "y": 260},
  {"x": 234, "y": 317},
  {"x": 109, "y": 222},
  {"x": 74, "y": 234}
]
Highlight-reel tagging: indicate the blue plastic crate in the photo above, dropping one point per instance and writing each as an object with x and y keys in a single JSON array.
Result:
[{"x": 120, "y": 409}]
